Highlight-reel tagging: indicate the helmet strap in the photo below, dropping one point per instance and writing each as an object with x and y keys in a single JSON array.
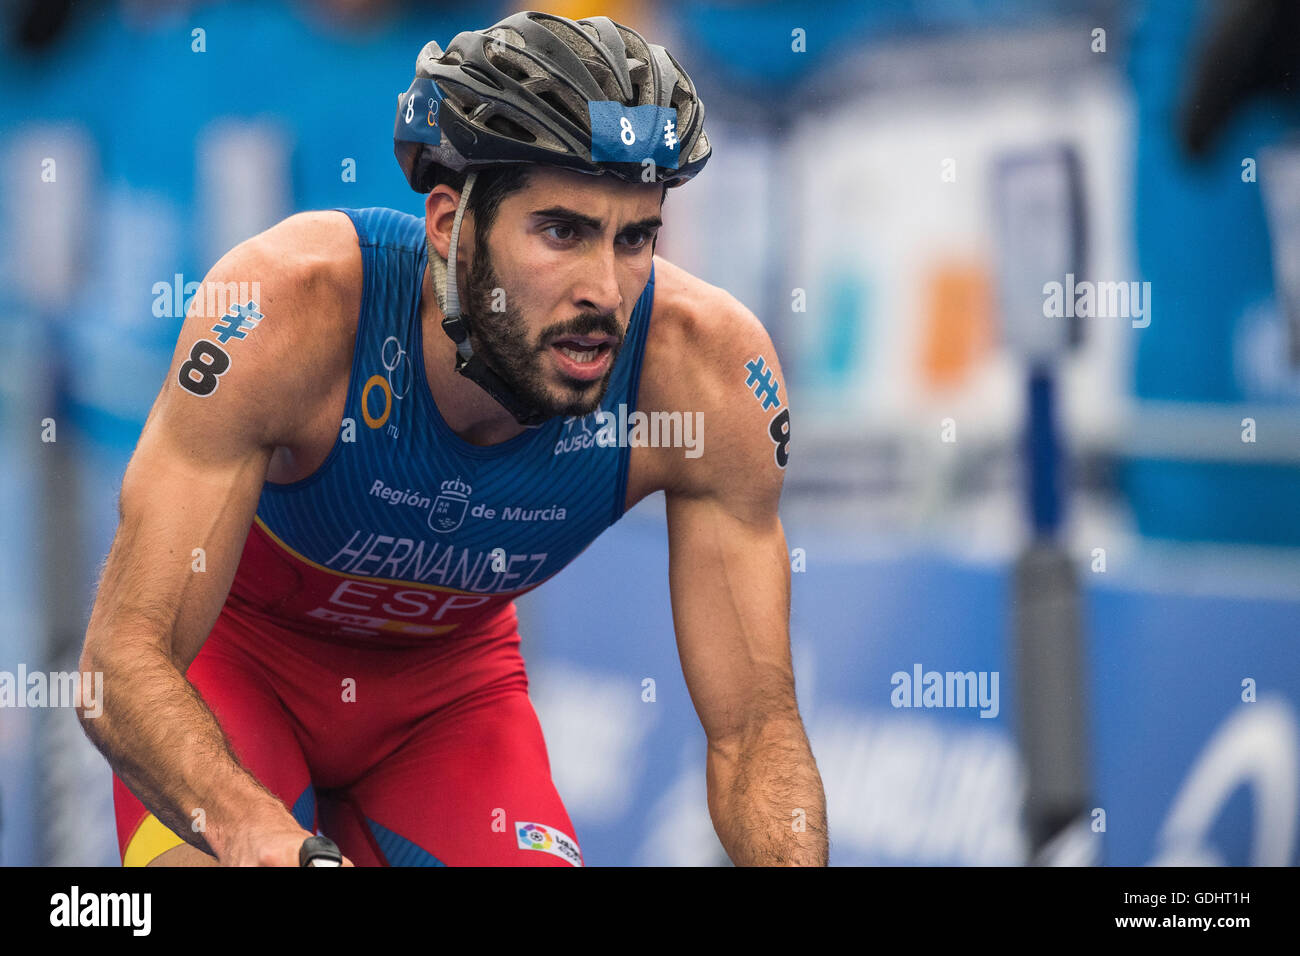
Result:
[{"x": 457, "y": 327}]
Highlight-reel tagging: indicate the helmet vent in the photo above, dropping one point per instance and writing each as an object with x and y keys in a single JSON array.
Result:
[
  {"x": 556, "y": 103},
  {"x": 470, "y": 70},
  {"x": 509, "y": 128},
  {"x": 642, "y": 82},
  {"x": 604, "y": 78},
  {"x": 573, "y": 39},
  {"x": 507, "y": 34},
  {"x": 510, "y": 66},
  {"x": 638, "y": 55},
  {"x": 684, "y": 104}
]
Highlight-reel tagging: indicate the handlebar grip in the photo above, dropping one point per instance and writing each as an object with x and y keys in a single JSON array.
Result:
[{"x": 319, "y": 851}]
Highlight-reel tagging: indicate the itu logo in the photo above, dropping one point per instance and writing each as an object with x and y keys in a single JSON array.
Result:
[{"x": 449, "y": 507}]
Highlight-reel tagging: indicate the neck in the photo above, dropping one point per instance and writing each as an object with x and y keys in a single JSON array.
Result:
[{"x": 469, "y": 411}]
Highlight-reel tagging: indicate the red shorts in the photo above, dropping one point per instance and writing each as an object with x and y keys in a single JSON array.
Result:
[{"x": 427, "y": 756}]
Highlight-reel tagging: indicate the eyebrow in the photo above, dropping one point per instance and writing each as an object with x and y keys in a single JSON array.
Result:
[{"x": 590, "y": 222}]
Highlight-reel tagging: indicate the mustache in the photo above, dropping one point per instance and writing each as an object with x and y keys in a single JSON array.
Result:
[{"x": 588, "y": 323}]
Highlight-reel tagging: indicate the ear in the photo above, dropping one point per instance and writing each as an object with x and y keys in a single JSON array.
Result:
[{"x": 440, "y": 215}]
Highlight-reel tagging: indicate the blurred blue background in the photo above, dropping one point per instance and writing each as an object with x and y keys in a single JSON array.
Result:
[{"x": 855, "y": 147}]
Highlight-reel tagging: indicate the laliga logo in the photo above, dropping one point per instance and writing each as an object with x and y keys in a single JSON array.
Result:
[
  {"x": 1255, "y": 747},
  {"x": 448, "y": 509},
  {"x": 536, "y": 836}
]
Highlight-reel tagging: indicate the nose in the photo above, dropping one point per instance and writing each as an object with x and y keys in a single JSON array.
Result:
[{"x": 597, "y": 287}]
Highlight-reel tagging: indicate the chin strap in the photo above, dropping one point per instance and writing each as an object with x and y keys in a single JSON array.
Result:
[{"x": 457, "y": 328}]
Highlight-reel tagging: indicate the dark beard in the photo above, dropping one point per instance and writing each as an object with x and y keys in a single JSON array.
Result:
[{"x": 499, "y": 337}]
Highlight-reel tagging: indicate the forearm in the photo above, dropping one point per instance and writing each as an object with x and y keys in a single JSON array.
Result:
[
  {"x": 167, "y": 747},
  {"x": 766, "y": 798}
]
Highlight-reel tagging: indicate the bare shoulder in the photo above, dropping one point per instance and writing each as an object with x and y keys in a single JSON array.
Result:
[
  {"x": 701, "y": 324},
  {"x": 708, "y": 354},
  {"x": 271, "y": 327},
  {"x": 308, "y": 268}
]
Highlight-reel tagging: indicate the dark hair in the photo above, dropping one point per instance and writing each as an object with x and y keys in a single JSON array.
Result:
[{"x": 491, "y": 187}]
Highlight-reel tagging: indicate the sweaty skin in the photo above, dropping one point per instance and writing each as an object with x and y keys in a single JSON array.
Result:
[{"x": 198, "y": 468}]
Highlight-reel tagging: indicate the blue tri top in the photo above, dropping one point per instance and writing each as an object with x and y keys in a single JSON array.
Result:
[{"x": 403, "y": 501}]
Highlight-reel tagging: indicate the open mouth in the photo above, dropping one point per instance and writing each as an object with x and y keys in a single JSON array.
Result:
[{"x": 584, "y": 357}]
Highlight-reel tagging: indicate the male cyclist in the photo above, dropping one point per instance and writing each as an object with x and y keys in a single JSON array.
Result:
[{"x": 306, "y": 620}]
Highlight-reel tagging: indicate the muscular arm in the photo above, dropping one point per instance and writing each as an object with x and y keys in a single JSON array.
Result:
[
  {"x": 730, "y": 580},
  {"x": 193, "y": 482}
]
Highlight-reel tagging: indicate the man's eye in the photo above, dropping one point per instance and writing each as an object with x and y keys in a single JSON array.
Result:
[
  {"x": 636, "y": 240},
  {"x": 559, "y": 225}
]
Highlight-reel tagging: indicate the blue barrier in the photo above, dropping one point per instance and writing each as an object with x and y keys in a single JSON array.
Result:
[{"x": 918, "y": 785}]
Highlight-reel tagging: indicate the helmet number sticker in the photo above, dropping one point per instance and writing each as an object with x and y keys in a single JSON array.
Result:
[
  {"x": 411, "y": 126},
  {"x": 633, "y": 134}
]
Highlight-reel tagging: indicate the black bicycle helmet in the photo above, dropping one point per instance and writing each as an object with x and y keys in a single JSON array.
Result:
[{"x": 590, "y": 95}]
